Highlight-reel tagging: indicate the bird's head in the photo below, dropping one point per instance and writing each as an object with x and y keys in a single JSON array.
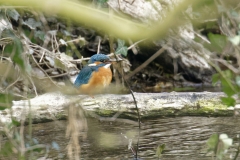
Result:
[{"x": 97, "y": 59}]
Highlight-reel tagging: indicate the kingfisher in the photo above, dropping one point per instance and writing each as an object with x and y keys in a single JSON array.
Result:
[{"x": 95, "y": 76}]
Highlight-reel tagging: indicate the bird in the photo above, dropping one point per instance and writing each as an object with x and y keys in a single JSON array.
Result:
[{"x": 95, "y": 76}]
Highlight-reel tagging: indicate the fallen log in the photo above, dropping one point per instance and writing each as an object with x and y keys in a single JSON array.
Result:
[{"x": 53, "y": 106}]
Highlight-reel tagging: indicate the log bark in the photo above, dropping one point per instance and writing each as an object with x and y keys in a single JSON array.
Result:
[{"x": 53, "y": 106}]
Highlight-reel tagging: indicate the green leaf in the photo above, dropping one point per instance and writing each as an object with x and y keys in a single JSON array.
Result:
[
  {"x": 13, "y": 14},
  {"x": 121, "y": 43},
  {"x": 159, "y": 150},
  {"x": 226, "y": 87},
  {"x": 228, "y": 74},
  {"x": 122, "y": 51},
  {"x": 32, "y": 23},
  {"x": 212, "y": 142},
  {"x": 229, "y": 101},
  {"x": 15, "y": 123},
  {"x": 39, "y": 34},
  {"x": 218, "y": 42},
  {"x": 15, "y": 49},
  {"x": 82, "y": 41},
  {"x": 17, "y": 56},
  {"x": 215, "y": 78},
  {"x": 101, "y": 3},
  {"x": 6, "y": 149},
  {"x": 5, "y": 101}
]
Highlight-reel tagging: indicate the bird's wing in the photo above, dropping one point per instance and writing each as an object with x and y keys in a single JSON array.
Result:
[{"x": 84, "y": 76}]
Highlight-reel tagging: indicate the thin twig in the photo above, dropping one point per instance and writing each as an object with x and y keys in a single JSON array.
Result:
[
  {"x": 99, "y": 45},
  {"x": 59, "y": 75},
  {"x": 79, "y": 60},
  {"x": 138, "y": 113},
  {"x": 35, "y": 147},
  {"x": 44, "y": 71},
  {"x": 225, "y": 63},
  {"x": 42, "y": 57},
  {"x": 134, "y": 44}
]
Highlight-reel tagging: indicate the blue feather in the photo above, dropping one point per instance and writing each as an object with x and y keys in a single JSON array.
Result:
[
  {"x": 98, "y": 57},
  {"x": 85, "y": 74}
]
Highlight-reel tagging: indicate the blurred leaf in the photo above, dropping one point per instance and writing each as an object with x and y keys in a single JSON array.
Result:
[
  {"x": 82, "y": 41},
  {"x": 226, "y": 87},
  {"x": 221, "y": 8},
  {"x": 235, "y": 40},
  {"x": 8, "y": 32},
  {"x": 39, "y": 34},
  {"x": 121, "y": 49},
  {"x": 121, "y": 43},
  {"x": 238, "y": 80},
  {"x": 228, "y": 74},
  {"x": 229, "y": 101},
  {"x": 59, "y": 64},
  {"x": 17, "y": 56},
  {"x": 15, "y": 122},
  {"x": 13, "y": 14},
  {"x": 6, "y": 149},
  {"x": 5, "y": 101},
  {"x": 215, "y": 78},
  {"x": 15, "y": 49},
  {"x": 37, "y": 150},
  {"x": 2, "y": 107},
  {"x": 234, "y": 13},
  {"x": 159, "y": 150},
  {"x": 32, "y": 23},
  {"x": 218, "y": 41},
  {"x": 5, "y": 26},
  {"x": 212, "y": 142},
  {"x": 101, "y": 3}
]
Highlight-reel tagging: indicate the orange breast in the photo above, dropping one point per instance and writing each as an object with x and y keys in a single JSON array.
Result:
[{"x": 98, "y": 81}]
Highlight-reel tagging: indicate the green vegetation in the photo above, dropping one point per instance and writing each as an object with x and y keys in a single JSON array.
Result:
[{"x": 39, "y": 39}]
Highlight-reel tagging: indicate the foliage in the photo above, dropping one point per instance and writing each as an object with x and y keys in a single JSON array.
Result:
[
  {"x": 220, "y": 43},
  {"x": 218, "y": 144},
  {"x": 160, "y": 150},
  {"x": 121, "y": 49},
  {"x": 229, "y": 86},
  {"x": 40, "y": 42},
  {"x": 6, "y": 101}
]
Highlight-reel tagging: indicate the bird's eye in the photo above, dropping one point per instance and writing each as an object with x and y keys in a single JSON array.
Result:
[{"x": 102, "y": 60}]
